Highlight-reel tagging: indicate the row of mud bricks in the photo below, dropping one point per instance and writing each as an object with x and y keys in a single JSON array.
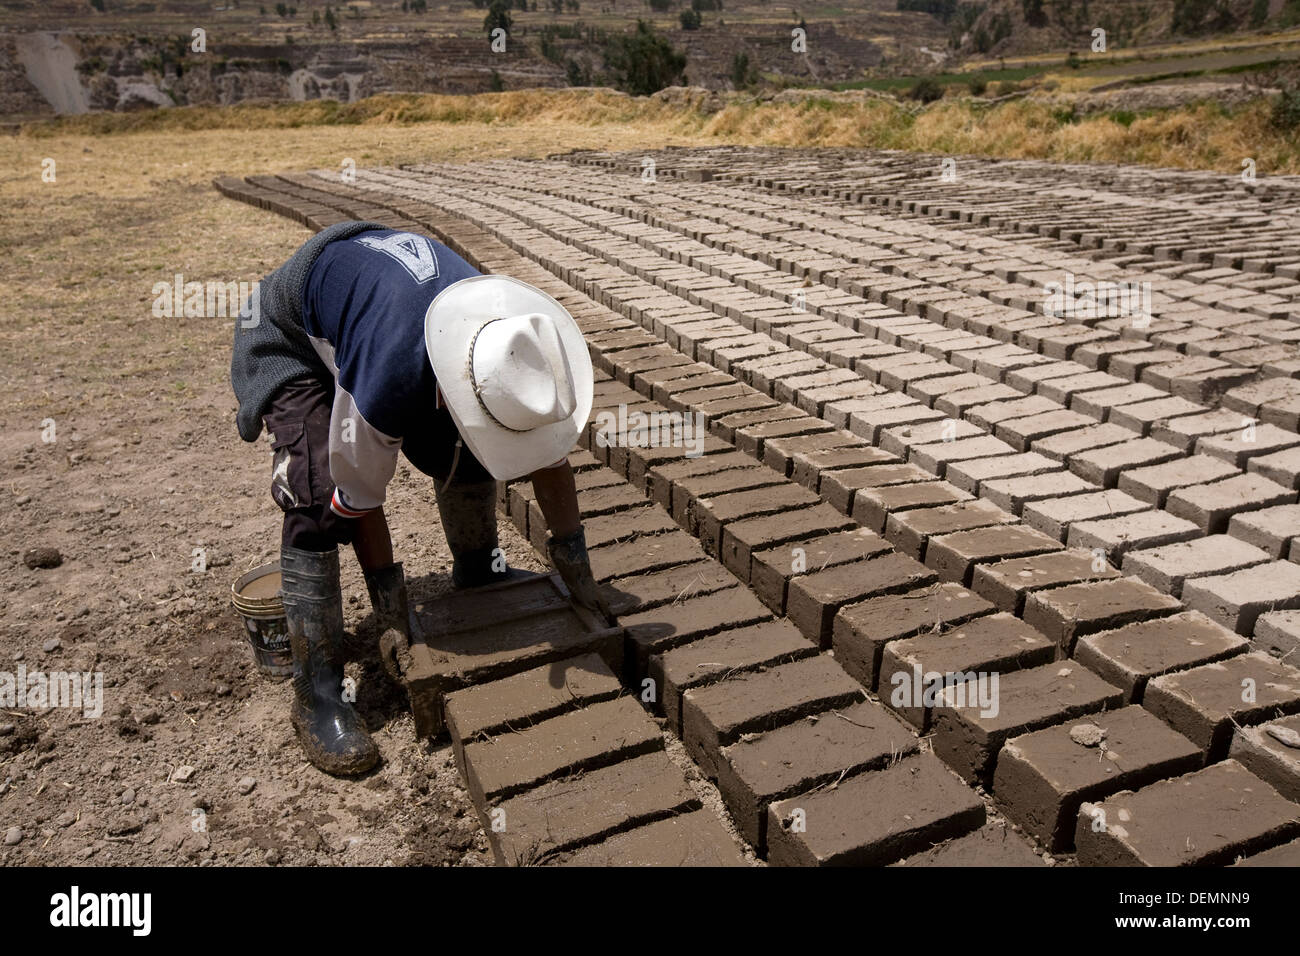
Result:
[{"x": 771, "y": 585}]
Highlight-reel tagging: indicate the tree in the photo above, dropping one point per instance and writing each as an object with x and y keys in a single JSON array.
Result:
[
  {"x": 743, "y": 74},
  {"x": 498, "y": 16},
  {"x": 331, "y": 20},
  {"x": 643, "y": 62},
  {"x": 690, "y": 19}
]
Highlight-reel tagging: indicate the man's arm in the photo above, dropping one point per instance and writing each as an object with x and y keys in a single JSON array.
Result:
[{"x": 372, "y": 543}]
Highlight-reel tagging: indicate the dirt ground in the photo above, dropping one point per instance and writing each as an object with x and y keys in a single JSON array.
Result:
[{"x": 145, "y": 466}]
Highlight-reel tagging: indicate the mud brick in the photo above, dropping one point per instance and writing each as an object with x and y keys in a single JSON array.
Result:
[
  {"x": 874, "y": 818},
  {"x": 1235, "y": 600},
  {"x": 771, "y": 570},
  {"x": 813, "y": 599},
  {"x": 653, "y": 553},
  {"x": 1168, "y": 567},
  {"x": 717, "y": 715},
  {"x": 588, "y": 807},
  {"x": 594, "y": 502},
  {"x": 825, "y": 748},
  {"x": 1011, "y": 494},
  {"x": 1130, "y": 656},
  {"x": 839, "y": 488},
  {"x": 959, "y": 402},
  {"x": 527, "y": 698},
  {"x": 1205, "y": 703},
  {"x": 659, "y": 629},
  {"x": 1043, "y": 777},
  {"x": 872, "y": 506},
  {"x": 1282, "y": 467},
  {"x": 740, "y": 539},
  {"x": 1098, "y": 354},
  {"x": 1116, "y": 536},
  {"x": 1278, "y": 633},
  {"x": 937, "y": 456},
  {"x": 1103, "y": 403},
  {"x": 862, "y": 631},
  {"x": 1027, "y": 379},
  {"x": 1288, "y": 854},
  {"x": 1249, "y": 399},
  {"x": 968, "y": 739},
  {"x": 1156, "y": 483},
  {"x": 968, "y": 475},
  {"x": 872, "y": 424},
  {"x": 685, "y": 491},
  {"x": 1238, "y": 447},
  {"x": 954, "y": 556},
  {"x": 635, "y": 523},
  {"x": 989, "y": 416},
  {"x": 813, "y": 400},
  {"x": 838, "y": 413},
  {"x": 1205, "y": 818},
  {"x": 1063, "y": 390},
  {"x": 719, "y": 656},
  {"x": 1143, "y": 415},
  {"x": 1067, "y": 613},
  {"x": 640, "y": 461},
  {"x": 779, "y": 452},
  {"x": 993, "y": 845},
  {"x": 672, "y": 393},
  {"x": 726, "y": 426},
  {"x": 806, "y": 467},
  {"x": 638, "y": 592},
  {"x": 998, "y": 643},
  {"x": 1185, "y": 430},
  {"x": 751, "y": 438},
  {"x": 1020, "y": 433},
  {"x": 910, "y": 531},
  {"x": 688, "y": 840},
  {"x": 594, "y": 736},
  {"x": 1103, "y": 466},
  {"x": 1065, "y": 445},
  {"x": 930, "y": 389},
  {"x": 899, "y": 439},
  {"x": 1006, "y": 583},
  {"x": 1054, "y": 517},
  {"x": 1262, "y": 751},
  {"x": 708, "y": 515}
]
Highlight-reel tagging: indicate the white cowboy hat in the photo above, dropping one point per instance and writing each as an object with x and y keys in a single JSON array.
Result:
[{"x": 514, "y": 371}]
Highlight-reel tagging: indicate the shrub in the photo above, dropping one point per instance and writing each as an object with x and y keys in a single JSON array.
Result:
[
  {"x": 643, "y": 62},
  {"x": 926, "y": 90}
]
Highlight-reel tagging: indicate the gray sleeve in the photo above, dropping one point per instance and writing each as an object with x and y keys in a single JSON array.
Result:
[{"x": 362, "y": 459}]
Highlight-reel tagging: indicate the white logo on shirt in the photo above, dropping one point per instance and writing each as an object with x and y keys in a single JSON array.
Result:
[{"x": 415, "y": 253}]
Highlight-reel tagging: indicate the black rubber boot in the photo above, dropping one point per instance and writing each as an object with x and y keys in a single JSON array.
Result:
[
  {"x": 469, "y": 520},
  {"x": 329, "y": 728}
]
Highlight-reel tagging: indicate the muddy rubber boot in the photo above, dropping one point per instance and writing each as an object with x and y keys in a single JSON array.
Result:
[
  {"x": 329, "y": 728},
  {"x": 387, "y": 587},
  {"x": 469, "y": 520}
]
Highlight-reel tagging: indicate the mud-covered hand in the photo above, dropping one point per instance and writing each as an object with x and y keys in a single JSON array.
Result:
[
  {"x": 569, "y": 555},
  {"x": 387, "y": 587}
]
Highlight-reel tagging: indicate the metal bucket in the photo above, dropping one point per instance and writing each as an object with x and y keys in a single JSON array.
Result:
[{"x": 256, "y": 595}]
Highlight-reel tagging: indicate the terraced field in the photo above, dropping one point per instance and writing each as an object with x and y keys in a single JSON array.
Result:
[{"x": 1024, "y": 436}]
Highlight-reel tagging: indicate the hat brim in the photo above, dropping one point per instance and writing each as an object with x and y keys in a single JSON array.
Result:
[{"x": 451, "y": 322}]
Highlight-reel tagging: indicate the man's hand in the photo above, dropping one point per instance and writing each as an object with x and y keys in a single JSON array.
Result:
[
  {"x": 387, "y": 587},
  {"x": 569, "y": 555}
]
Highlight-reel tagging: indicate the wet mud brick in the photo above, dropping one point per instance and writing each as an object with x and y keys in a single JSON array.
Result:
[
  {"x": 1132, "y": 532},
  {"x": 1007, "y": 582},
  {"x": 779, "y": 452},
  {"x": 471, "y": 637},
  {"x": 686, "y": 490},
  {"x": 719, "y": 656},
  {"x": 1042, "y": 778},
  {"x": 758, "y": 771},
  {"x": 627, "y": 595},
  {"x": 998, "y": 643},
  {"x": 1205, "y": 818},
  {"x": 653, "y": 553},
  {"x": 608, "y": 500},
  {"x": 873, "y": 506},
  {"x": 716, "y": 715},
  {"x": 874, "y": 818},
  {"x": 527, "y": 698},
  {"x": 627, "y": 525},
  {"x": 806, "y": 468},
  {"x": 1266, "y": 755},
  {"x": 862, "y": 631},
  {"x": 751, "y": 438},
  {"x": 1278, "y": 633},
  {"x": 740, "y": 539},
  {"x": 1167, "y": 568},
  {"x": 691, "y": 839},
  {"x": 910, "y": 531},
  {"x": 954, "y": 556},
  {"x": 641, "y": 460},
  {"x": 708, "y": 515},
  {"x": 1288, "y": 854},
  {"x": 771, "y": 570},
  {"x": 968, "y": 740},
  {"x": 659, "y": 629},
  {"x": 1130, "y": 656},
  {"x": 586, "y": 808},
  {"x": 1210, "y": 507},
  {"x": 813, "y": 599},
  {"x": 1067, "y": 613},
  {"x": 662, "y": 478},
  {"x": 992, "y": 845},
  {"x": 1237, "y": 600},
  {"x": 595, "y": 736},
  {"x": 1206, "y": 702}
]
